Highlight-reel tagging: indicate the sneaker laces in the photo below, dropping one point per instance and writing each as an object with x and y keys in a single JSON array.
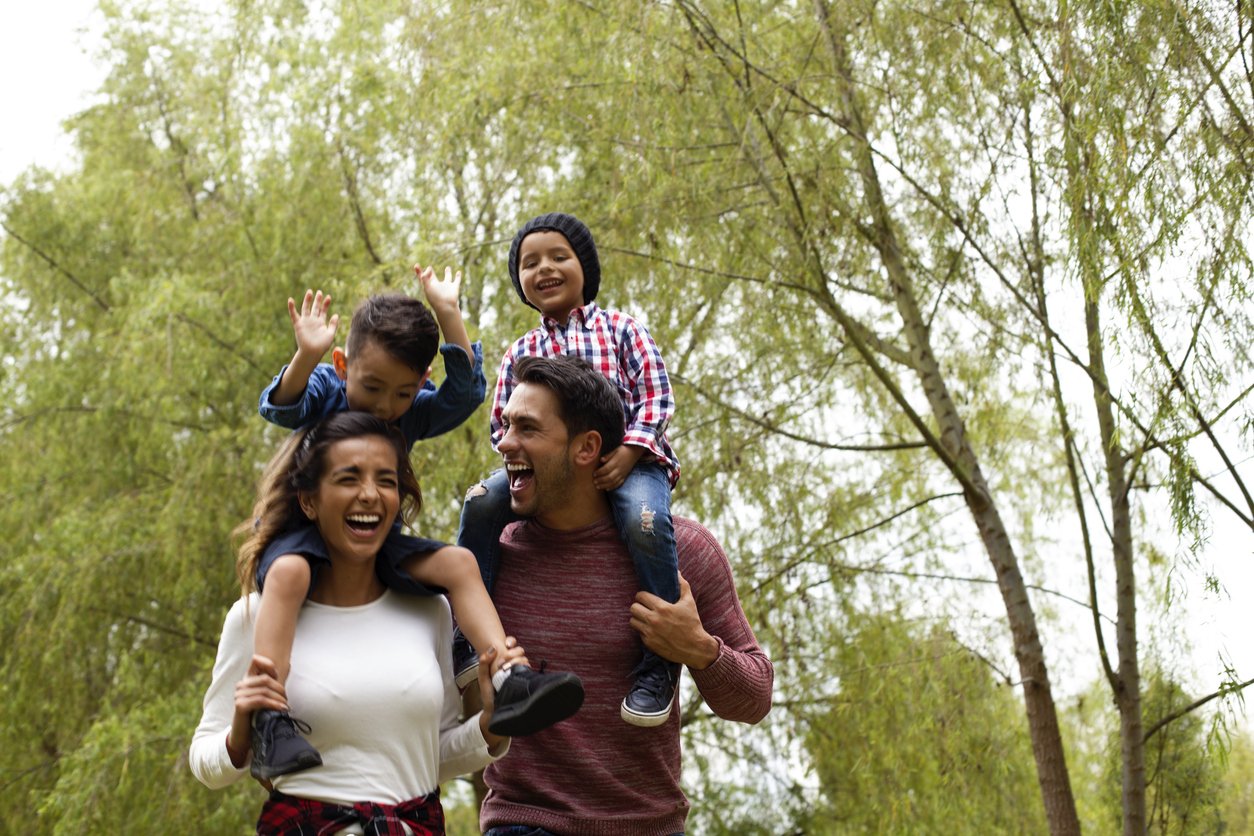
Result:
[
  {"x": 283, "y": 726},
  {"x": 653, "y": 678}
]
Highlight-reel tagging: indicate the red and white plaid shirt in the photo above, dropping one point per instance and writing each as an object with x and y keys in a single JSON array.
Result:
[{"x": 618, "y": 347}]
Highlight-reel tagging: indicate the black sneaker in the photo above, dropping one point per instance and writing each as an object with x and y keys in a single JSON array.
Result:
[
  {"x": 529, "y": 701},
  {"x": 465, "y": 661},
  {"x": 650, "y": 700},
  {"x": 278, "y": 748}
]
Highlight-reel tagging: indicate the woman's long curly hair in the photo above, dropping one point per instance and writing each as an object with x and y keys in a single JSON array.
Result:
[{"x": 297, "y": 468}]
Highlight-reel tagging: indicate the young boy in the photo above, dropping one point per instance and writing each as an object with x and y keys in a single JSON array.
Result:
[
  {"x": 385, "y": 370},
  {"x": 554, "y": 267}
]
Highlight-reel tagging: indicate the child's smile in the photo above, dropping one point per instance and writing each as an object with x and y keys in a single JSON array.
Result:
[{"x": 551, "y": 274}]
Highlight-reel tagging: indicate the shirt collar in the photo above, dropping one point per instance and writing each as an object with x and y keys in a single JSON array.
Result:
[{"x": 583, "y": 315}]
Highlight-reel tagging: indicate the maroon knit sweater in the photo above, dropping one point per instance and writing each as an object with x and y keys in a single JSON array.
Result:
[{"x": 566, "y": 596}]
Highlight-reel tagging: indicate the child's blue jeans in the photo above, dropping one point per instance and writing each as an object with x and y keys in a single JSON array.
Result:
[{"x": 642, "y": 512}]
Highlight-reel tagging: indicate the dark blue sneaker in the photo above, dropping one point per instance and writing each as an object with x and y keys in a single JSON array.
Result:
[
  {"x": 465, "y": 661},
  {"x": 529, "y": 701},
  {"x": 278, "y": 748},
  {"x": 650, "y": 700}
]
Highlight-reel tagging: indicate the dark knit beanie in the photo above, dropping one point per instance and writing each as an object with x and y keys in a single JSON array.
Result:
[{"x": 580, "y": 238}]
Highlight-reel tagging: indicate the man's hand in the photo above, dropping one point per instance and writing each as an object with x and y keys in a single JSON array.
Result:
[
  {"x": 314, "y": 333},
  {"x": 616, "y": 466},
  {"x": 674, "y": 631},
  {"x": 441, "y": 295}
]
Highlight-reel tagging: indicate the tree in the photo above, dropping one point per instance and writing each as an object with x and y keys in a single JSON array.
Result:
[
  {"x": 235, "y": 161},
  {"x": 866, "y": 236},
  {"x": 881, "y": 178},
  {"x": 923, "y": 739}
]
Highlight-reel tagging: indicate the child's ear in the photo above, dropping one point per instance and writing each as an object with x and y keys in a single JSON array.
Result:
[
  {"x": 306, "y": 504},
  {"x": 588, "y": 449},
  {"x": 425, "y": 378},
  {"x": 340, "y": 360}
]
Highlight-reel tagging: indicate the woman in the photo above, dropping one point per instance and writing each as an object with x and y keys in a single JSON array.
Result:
[{"x": 371, "y": 671}]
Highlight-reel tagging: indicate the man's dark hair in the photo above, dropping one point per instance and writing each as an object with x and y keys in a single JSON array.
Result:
[
  {"x": 401, "y": 325},
  {"x": 586, "y": 399}
]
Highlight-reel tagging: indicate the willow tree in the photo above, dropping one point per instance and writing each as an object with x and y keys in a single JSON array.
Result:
[
  {"x": 233, "y": 161},
  {"x": 999, "y": 244},
  {"x": 864, "y": 236}
]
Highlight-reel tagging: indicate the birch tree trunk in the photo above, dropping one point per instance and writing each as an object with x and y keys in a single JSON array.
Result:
[{"x": 1051, "y": 764}]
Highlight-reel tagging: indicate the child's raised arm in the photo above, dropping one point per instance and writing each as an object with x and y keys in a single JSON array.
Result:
[
  {"x": 314, "y": 335},
  {"x": 442, "y": 296}
]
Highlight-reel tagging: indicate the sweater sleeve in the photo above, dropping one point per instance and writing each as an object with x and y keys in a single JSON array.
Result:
[
  {"x": 738, "y": 685},
  {"x": 207, "y": 756},
  {"x": 462, "y": 747}
]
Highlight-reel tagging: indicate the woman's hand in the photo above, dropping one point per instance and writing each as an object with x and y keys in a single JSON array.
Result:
[
  {"x": 260, "y": 688},
  {"x": 491, "y": 661}
]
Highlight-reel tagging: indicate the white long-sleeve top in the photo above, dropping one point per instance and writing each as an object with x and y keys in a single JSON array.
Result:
[{"x": 375, "y": 684}]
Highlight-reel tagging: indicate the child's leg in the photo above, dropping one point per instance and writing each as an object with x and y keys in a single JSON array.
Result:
[
  {"x": 526, "y": 701},
  {"x": 455, "y": 569},
  {"x": 284, "y": 576},
  {"x": 642, "y": 510},
  {"x": 485, "y": 513},
  {"x": 285, "y": 590}
]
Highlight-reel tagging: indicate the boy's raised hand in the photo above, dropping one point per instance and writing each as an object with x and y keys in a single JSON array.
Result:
[
  {"x": 441, "y": 295},
  {"x": 315, "y": 334}
]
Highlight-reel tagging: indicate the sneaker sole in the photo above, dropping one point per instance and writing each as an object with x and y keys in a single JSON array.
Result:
[
  {"x": 306, "y": 761},
  {"x": 644, "y": 720},
  {"x": 466, "y": 676},
  {"x": 555, "y": 702}
]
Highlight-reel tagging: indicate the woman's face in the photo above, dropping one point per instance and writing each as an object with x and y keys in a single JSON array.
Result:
[{"x": 357, "y": 498}]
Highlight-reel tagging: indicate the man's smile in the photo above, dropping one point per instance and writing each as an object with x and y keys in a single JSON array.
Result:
[{"x": 520, "y": 476}]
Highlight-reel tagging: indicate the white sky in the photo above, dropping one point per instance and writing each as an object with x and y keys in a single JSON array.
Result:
[
  {"x": 48, "y": 70},
  {"x": 46, "y": 57}
]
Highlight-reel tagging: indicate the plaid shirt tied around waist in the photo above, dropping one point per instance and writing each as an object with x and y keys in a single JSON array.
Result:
[
  {"x": 621, "y": 350},
  {"x": 287, "y": 815}
]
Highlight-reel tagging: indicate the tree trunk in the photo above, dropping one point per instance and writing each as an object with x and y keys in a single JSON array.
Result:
[
  {"x": 1128, "y": 682},
  {"x": 1087, "y": 253},
  {"x": 1051, "y": 764}
]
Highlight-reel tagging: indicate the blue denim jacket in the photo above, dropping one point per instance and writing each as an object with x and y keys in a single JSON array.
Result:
[{"x": 433, "y": 412}]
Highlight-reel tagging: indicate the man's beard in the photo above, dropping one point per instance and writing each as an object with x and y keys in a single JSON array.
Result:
[{"x": 551, "y": 484}]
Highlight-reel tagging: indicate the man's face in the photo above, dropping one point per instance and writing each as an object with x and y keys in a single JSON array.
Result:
[
  {"x": 538, "y": 455},
  {"x": 378, "y": 383}
]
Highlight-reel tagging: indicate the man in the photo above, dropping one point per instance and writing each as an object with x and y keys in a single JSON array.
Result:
[{"x": 567, "y": 589}]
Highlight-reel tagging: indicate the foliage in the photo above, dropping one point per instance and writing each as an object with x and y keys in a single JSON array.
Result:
[
  {"x": 922, "y": 739},
  {"x": 1036, "y": 164}
]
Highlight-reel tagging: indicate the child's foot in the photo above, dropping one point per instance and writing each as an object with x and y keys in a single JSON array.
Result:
[
  {"x": 529, "y": 701},
  {"x": 465, "y": 661},
  {"x": 278, "y": 748},
  {"x": 650, "y": 700}
]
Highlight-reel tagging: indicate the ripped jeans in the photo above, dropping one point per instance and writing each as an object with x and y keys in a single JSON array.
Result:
[{"x": 642, "y": 512}]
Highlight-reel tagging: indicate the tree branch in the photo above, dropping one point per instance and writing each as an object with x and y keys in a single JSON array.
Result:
[
  {"x": 1193, "y": 706},
  {"x": 54, "y": 265}
]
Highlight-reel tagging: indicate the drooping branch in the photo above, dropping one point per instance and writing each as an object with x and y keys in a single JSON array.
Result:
[
  {"x": 1195, "y": 705},
  {"x": 354, "y": 201},
  {"x": 772, "y": 428},
  {"x": 104, "y": 306},
  {"x": 221, "y": 342}
]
